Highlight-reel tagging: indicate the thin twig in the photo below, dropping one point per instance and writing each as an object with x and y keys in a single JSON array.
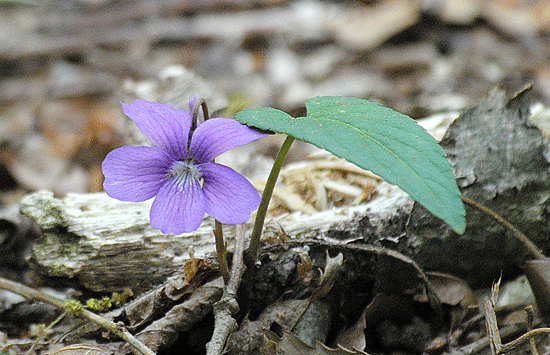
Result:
[
  {"x": 481, "y": 345},
  {"x": 238, "y": 266},
  {"x": 224, "y": 323},
  {"x": 118, "y": 330},
  {"x": 530, "y": 320},
  {"x": 491, "y": 320},
  {"x": 514, "y": 344},
  {"x": 535, "y": 251},
  {"x": 493, "y": 333}
]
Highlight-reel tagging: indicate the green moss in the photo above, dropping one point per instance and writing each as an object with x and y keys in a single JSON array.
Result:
[{"x": 73, "y": 307}]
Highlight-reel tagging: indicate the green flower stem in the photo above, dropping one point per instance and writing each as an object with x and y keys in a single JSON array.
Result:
[
  {"x": 252, "y": 253},
  {"x": 221, "y": 251}
]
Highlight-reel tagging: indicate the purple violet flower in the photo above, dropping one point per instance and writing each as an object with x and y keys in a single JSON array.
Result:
[{"x": 178, "y": 173}]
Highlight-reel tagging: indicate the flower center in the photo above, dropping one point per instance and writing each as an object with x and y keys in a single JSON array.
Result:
[{"x": 184, "y": 171}]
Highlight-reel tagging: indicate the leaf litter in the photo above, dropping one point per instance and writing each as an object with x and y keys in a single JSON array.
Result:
[{"x": 328, "y": 190}]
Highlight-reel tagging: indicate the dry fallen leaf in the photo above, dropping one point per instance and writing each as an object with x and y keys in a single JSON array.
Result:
[
  {"x": 538, "y": 274},
  {"x": 290, "y": 344},
  {"x": 353, "y": 337},
  {"x": 452, "y": 290},
  {"x": 192, "y": 267},
  {"x": 283, "y": 314},
  {"x": 80, "y": 349}
]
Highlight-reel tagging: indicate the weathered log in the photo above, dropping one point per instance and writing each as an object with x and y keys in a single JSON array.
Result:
[
  {"x": 500, "y": 160},
  {"x": 106, "y": 245}
]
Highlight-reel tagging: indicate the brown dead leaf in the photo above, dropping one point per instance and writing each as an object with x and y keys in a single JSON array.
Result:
[
  {"x": 153, "y": 304},
  {"x": 538, "y": 274},
  {"x": 283, "y": 314},
  {"x": 80, "y": 349},
  {"x": 362, "y": 27},
  {"x": 290, "y": 344},
  {"x": 353, "y": 337},
  {"x": 451, "y": 290},
  {"x": 515, "y": 317},
  {"x": 194, "y": 266}
]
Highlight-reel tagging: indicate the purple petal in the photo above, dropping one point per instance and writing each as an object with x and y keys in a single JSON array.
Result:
[
  {"x": 230, "y": 198},
  {"x": 166, "y": 127},
  {"x": 135, "y": 173},
  {"x": 218, "y": 135},
  {"x": 178, "y": 208}
]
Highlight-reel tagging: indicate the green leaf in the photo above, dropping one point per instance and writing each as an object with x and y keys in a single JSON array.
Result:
[{"x": 374, "y": 138}]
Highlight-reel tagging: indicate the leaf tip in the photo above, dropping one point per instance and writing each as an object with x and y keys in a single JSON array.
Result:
[{"x": 458, "y": 224}]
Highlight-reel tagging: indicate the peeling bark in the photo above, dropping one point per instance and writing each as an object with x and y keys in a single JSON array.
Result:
[{"x": 106, "y": 245}]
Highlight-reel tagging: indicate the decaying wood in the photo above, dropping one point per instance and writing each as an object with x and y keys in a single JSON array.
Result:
[
  {"x": 500, "y": 160},
  {"x": 107, "y": 245}
]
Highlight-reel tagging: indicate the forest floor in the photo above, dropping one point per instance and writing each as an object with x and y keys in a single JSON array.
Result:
[{"x": 65, "y": 65}]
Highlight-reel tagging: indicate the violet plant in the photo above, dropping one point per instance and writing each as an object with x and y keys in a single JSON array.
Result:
[{"x": 179, "y": 172}]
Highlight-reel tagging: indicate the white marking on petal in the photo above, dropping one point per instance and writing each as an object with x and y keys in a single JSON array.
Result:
[{"x": 184, "y": 171}]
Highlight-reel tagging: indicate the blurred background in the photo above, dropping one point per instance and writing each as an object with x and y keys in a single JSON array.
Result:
[{"x": 65, "y": 65}]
